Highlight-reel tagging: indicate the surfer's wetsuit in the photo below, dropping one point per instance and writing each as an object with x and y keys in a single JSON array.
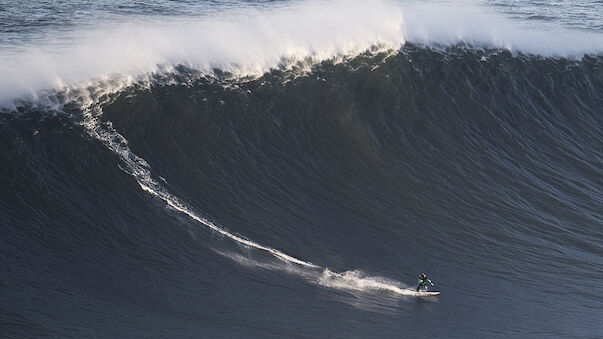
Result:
[{"x": 423, "y": 283}]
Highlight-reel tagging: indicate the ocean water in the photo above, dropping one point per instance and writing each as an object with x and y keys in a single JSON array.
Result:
[{"x": 197, "y": 169}]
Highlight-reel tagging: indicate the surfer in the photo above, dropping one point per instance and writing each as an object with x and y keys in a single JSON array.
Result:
[{"x": 423, "y": 280}]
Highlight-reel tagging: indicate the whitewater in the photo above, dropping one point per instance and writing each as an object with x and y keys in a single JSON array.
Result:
[{"x": 252, "y": 41}]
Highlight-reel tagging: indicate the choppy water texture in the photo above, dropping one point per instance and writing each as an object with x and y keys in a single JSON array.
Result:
[{"x": 242, "y": 169}]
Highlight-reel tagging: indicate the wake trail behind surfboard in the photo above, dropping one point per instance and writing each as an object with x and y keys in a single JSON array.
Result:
[{"x": 354, "y": 280}]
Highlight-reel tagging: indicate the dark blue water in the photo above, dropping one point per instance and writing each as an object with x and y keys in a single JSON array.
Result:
[{"x": 277, "y": 169}]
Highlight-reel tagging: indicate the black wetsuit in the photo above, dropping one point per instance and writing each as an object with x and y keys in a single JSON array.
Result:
[{"x": 423, "y": 283}]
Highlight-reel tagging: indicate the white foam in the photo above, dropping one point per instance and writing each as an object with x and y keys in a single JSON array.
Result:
[
  {"x": 140, "y": 170},
  {"x": 248, "y": 42},
  {"x": 353, "y": 280},
  {"x": 467, "y": 23},
  {"x": 360, "y": 281},
  {"x": 253, "y": 41}
]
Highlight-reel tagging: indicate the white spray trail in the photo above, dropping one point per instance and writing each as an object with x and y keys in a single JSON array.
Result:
[
  {"x": 354, "y": 280},
  {"x": 177, "y": 205},
  {"x": 250, "y": 42},
  {"x": 140, "y": 170}
]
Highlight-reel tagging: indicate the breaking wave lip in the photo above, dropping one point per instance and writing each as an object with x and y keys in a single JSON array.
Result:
[
  {"x": 251, "y": 42},
  {"x": 246, "y": 43}
]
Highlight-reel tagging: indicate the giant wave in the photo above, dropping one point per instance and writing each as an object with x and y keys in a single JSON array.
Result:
[{"x": 301, "y": 171}]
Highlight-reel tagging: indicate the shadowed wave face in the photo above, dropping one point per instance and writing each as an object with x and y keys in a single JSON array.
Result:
[
  {"x": 302, "y": 195},
  {"x": 482, "y": 167}
]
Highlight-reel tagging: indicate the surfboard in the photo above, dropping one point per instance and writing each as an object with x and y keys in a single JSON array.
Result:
[{"x": 428, "y": 293}]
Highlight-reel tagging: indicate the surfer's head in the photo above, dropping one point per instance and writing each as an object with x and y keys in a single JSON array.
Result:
[{"x": 423, "y": 275}]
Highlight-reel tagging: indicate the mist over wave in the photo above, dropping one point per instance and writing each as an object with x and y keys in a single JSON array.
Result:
[
  {"x": 252, "y": 41},
  {"x": 244, "y": 42},
  {"x": 480, "y": 26}
]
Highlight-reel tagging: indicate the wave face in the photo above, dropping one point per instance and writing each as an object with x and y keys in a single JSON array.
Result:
[
  {"x": 234, "y": 194},
  {"x": 289, "y": 195}
]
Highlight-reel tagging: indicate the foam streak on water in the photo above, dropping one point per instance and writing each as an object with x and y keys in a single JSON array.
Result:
[
  {"x": 354, "y": 280},
  {"x": 139, "y": 168}
]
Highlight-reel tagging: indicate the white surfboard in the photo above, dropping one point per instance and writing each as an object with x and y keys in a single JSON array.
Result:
[{"x": 428, "y": 293}]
